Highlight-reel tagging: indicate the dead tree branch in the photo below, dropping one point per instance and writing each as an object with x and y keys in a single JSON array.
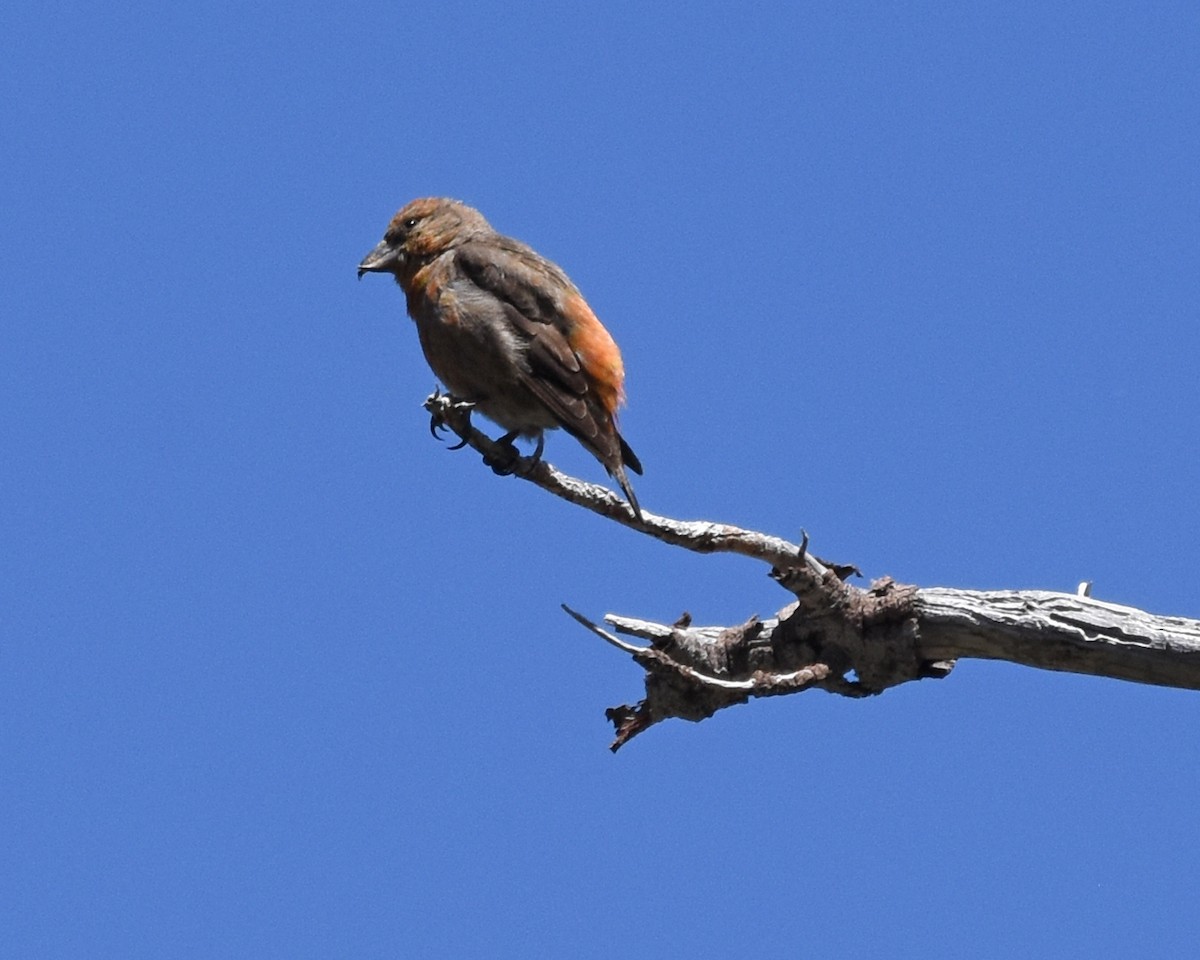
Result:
[
  {"x": 837, "y": 637},
  {"x": 446, "y": 413}
]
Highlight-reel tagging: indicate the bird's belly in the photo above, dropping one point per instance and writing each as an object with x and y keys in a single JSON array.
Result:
[
  {"x": 525, "y": 414},
  {"x": 486, "y": 372}
]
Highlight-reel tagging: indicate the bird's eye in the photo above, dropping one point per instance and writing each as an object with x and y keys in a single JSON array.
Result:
[{"x": 410, "y": 223}]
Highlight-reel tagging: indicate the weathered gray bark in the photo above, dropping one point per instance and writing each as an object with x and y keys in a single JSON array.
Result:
[
  {"x": 1058, "y": 631},
  {"x": 841, "y": 638}
]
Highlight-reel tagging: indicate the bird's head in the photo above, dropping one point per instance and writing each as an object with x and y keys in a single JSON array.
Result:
[{"x": 422, "y": 230}]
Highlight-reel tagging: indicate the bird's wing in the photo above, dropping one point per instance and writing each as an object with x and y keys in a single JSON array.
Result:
[{"x": 532, "y": 293}]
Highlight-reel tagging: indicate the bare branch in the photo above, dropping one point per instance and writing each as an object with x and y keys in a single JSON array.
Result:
[
  {"x": 696, "y": 535},
  {"x": 1060, "y": 631},
  {"x": 870, "y": 645},
  {"x": 675, "y": 688},
  {"x": 837, "y": 637}
]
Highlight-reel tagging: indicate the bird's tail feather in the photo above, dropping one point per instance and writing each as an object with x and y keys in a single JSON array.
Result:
[
  {"x": 618, "y": 473},
  {"x": 628, "y": 457}
]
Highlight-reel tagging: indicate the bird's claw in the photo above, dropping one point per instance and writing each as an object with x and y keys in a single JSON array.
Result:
[
  {"x": 536, "y": 456},
  {"x": 454, "y": 414},
  {"x": 505, "y": 463},
  {"x": 437, "y": 421}
]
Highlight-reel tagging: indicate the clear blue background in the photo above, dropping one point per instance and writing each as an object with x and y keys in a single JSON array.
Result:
[{"x": 282, "y": 677}]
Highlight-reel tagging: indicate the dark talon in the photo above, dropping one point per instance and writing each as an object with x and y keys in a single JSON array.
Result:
[
  {"x": 437, "y": 421},
  {"x": 506, "y": 463}
]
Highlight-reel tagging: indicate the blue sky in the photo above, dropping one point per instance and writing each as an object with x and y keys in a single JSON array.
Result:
[{"x": 282, "y": 677}]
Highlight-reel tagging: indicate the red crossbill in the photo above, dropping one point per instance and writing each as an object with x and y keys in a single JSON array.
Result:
[{"x": 504, "y": 328}]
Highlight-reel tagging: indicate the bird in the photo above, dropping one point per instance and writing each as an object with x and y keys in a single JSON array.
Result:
[{"x": 505, "y": 329}]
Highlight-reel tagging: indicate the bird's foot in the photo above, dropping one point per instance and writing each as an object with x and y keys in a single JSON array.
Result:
[
  {"x": 439, "y": 417},
  {"x": 536, "y": 457},
  {"x": 510, "y": 460},
  {"x": 505, "y": 462}
]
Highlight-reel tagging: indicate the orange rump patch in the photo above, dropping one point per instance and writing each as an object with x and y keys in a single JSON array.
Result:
[{"x": 597, "y": 350}]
